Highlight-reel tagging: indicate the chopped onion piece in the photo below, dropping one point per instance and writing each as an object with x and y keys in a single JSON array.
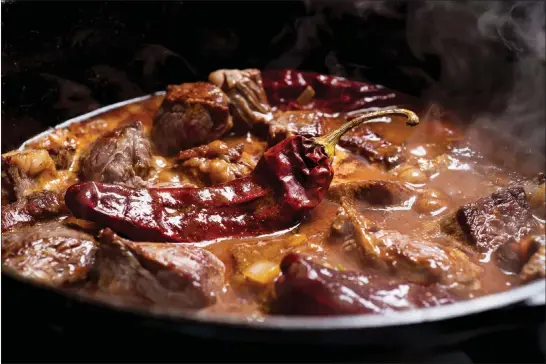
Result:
[
  {"x": 297, "y": 239},
  {"x": 306, "y": 96},
  {"x": 262, "y": 272}
]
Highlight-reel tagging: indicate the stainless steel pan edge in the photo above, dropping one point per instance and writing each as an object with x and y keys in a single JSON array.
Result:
[
  {"x": 533, "y": 294},
  {"x": 81, "y": 318}
]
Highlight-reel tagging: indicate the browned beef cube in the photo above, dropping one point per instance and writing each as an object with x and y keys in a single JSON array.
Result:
[
  {"x": 374, "y": 192},
  {"x": 22, "y": 172},
  {"x": 307, "y": 288},
  {"x": 365, "y": 142},
  {"x": 123, "y": 155},
  {"x": 51, "y": 253},
  {"x": 38, "y": 206},
  {"x": 248, "y": 101},
  {"x": 513, "y": 256},
  {"x": 168, "y": 274},
  {"x": 191, "y": 114},
  {"x": 299, "y": 122},
  {"x": 495, "y": 220},
  {"x": 535, "y": 267}
]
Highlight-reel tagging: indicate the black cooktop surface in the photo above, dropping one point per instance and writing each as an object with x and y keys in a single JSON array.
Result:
[
  {"x": 51, "y": 344},
  {"x": 42, "y": 326}
]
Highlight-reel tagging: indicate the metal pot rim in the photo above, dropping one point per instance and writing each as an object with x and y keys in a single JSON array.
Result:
[{"x": 532, "y": 294}]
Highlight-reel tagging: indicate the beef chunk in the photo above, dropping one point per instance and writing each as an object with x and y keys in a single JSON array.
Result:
[
  {"x": 166, "y": 274},
  {"x": 535, "y": 267},
  {"x": 299, "y": 122},
  {"x": 512, "y": 256},
  {"x": 307, "y": 288},
  {"x": 215, "y": 163},
  {"x": 38, "y": 206},
  {"x": 51, "y": 253},
  {"x": 417, "y": 260},
  {"x": 61, "y": 145},
  {"x": 494, "y": 220},
  {"x": 191, "y": 114},
  {"x": 368, "y": 144},
  {"x": 420, "y": 261},
  {"x": 248, "y": 101},
  {"x": 22, "y": 172},
  {"x": 120, "y": 156},
  {"x": 373, "y": 192}
]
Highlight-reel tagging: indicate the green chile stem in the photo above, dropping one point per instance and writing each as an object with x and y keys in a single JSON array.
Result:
[{"x": 329, "y": 141}]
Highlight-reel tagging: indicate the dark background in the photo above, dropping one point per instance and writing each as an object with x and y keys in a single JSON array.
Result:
[{"x": 62, "y": 59}]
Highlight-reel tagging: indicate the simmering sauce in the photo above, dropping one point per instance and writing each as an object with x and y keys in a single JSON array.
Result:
[{"x": 441, "y": 169}]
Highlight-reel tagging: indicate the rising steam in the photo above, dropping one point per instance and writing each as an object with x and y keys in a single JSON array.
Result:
[
  {"x": 492, "y": 56},
  {"x": 492, "y": 59}
]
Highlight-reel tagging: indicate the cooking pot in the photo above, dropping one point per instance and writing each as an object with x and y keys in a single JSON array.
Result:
[
  {"x": 429, "y": 326},
  {"x": 115, "y": 31}
]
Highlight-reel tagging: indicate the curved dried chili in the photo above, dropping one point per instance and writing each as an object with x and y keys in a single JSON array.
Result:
[{"x": 290, "y": 180}]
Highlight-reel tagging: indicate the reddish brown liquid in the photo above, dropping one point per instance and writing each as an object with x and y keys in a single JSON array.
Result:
[{"x": 460, "y": 183}]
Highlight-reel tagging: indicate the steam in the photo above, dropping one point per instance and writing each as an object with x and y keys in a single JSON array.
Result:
[
  {"x": 306, "y": 28},
  {"x": 492, "y": 59}
]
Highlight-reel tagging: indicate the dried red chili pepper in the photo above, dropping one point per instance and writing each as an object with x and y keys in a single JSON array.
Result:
[
  {"x": 290, "y": 180},
  {"x": 332, "y": 93}
]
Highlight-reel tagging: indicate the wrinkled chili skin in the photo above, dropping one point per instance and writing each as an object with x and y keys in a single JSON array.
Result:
[
  {"x": 299, "y": 171},
  {"x": 308, "y": 288},
  {"x": 291, "y": 179},
  {"x": 332, "y": 93},
  {"x": 167, "y": 214}
]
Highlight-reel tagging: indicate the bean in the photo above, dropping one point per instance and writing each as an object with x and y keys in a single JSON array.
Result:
[
  {"x": 434, "y": 193},
  {"x": 413, "y": 175},
  {"x": 430, "y": 201},
  {"x": 537, "y": 196}
]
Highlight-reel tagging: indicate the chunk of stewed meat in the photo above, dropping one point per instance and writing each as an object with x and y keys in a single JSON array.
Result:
[
  {"x": 35, "y": 207},
  {"x": 248, "y": 101},
  {"x": 535, "y": 267},
  {"x": 417, "y": 260},
  {"x": 512, "y": 256},
  {"x": 191, "y": 114},
  {"x": 121, "y": 156},
  {"x": 373, "y": 192},
  {"x": 215, "y": 163},
  {"x": 23, "y": 171},
  {"x": 493, "y": 221},
  {"x": 381, "y": 193},
  {"x": 165, "y": 274},
  {"x": 307, "y": 288},
  {"x": 61, "y": 145},
  {"x": 51, "y": 253},
  {"x": 376, "y": 149},
  {"x": 308, "y": 123}
]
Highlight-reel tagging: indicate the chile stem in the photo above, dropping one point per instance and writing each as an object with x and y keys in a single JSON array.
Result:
[{"x": 329, "y": 141}]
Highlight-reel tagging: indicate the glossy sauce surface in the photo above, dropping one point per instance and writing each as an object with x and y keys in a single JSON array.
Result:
[{"x": 438, "y": 191}]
